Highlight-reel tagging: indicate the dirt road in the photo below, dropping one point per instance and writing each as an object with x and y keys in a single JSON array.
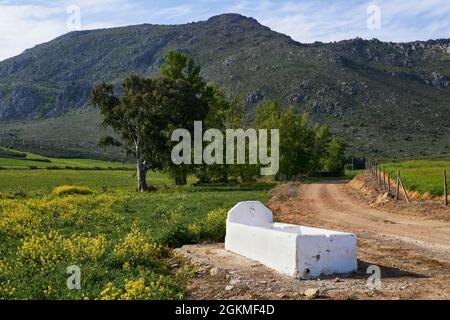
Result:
[
  {"x": 409, "y": 242},
  {"x": 330, "y": 204},
  {"x": 405, "y": 245}
]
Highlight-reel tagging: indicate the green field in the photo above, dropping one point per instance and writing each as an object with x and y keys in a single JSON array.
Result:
[
  {"x": 120, "y": 239},
  {"x": 12, "y": 159},
  {"x": 423, "y": 176}
]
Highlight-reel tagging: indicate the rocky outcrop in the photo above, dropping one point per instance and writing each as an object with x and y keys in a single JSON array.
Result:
[
  {"x": 73, "y": 96},
  {"x": 438, "y": 80},
  {"x": 254, "y": 97}
]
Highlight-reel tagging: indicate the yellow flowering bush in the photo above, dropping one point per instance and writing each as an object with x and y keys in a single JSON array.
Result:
[
  {"x": 76, "y": 209},
  {"x": 63, "y": 190},
  {"x": 140, "y": 289},
  {"x": 6, "y": 195},
  {"x": 5, "y": 267},
  {"x": 43, "y": 235},
  {"x": 139, "y": 248},
  {"x": 19, "y": 218},
  {"x": 215, "y": 224},
  {"x": 85, "y": 248},
  {"x": 7, "y": 290},
  {"x": 45, "y": 250}
]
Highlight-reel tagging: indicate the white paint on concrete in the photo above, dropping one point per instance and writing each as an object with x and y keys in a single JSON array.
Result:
[{"x": 299, "y": 251}]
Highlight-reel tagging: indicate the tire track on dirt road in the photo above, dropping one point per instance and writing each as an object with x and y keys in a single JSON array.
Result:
[{"x": 332, "y": 204}]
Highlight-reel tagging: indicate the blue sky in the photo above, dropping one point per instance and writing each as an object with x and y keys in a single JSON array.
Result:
[{"x": 25, "y": 23}]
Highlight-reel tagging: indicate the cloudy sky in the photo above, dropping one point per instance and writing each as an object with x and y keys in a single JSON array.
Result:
[{"x": 25, "y": 23}]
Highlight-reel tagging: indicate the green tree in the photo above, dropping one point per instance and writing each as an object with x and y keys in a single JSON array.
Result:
[
  {"x": 304, "y": 149},
  {"x": 219, "y": 108},
  {"x": 235, "y": 118},
  {"x": 322, "y": 138},
  {"x": 335, "y": 157},
  {"x": 145, "y": 116},
  {"x": 178, "y": 66},
  {"x": 296, "y": 138}
]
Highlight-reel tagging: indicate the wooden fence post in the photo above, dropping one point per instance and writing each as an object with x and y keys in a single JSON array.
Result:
[
  {"x": 445, "y": 188},
  {"x": 403, "y": 187},
  {"x": 384, "y": 180},
  {"x": 389, "y": 183},
  {"x": 381, "y": 177},
  {"x": 397, "y": 191}
]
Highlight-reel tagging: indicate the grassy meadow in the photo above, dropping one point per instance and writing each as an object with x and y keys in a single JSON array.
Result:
[
  {"x": 12, "y": 159},
  {"x": 120, "y": 239},
  {"x": 422, "y": 176}
]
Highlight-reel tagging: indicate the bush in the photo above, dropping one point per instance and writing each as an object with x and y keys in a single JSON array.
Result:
[
  {"x": 44, "y": 250},
  {"x": 138, "y": 248},
  {"x": 63, "y": 190},
  {"x": 215, "y": 225},
  {"x": 177, "y": 234},
  {"x": 6, "y": 195},
  {"x": 161, "y": 288}
]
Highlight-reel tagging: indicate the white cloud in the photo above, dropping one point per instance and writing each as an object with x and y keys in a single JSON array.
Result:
[
  {"x": 326, "y": 21},
  {"x": 174, "y": 12},
  {"x": 25, "y": 26}
]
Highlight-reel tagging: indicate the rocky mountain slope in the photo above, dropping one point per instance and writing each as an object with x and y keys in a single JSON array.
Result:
[{"x": 386, "y": 99}]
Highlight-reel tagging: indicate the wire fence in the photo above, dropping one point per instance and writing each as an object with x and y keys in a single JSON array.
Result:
[{"x": 395, "y": 186}]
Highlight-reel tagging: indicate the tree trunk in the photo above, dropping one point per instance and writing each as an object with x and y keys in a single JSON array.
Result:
[
  {"x": 141, "y": 173},
  {"x": 181, "y": 179},
  {"x": 225, "y": 177}
]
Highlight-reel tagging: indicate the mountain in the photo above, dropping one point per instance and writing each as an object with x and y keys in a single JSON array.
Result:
[{"x": 389, "y": 100}]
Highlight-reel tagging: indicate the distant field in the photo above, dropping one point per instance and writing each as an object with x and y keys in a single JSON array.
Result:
[
  {"x": 12, "y": 159},
  {"x": 423, "y": 176},
  {"x": 38, "y": 182}
]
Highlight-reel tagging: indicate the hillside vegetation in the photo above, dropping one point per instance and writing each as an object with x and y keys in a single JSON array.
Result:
[{"x": 389, "y": 100}]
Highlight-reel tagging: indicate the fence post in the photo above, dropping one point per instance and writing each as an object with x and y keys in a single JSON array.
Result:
[
  {"x": 397, "y": 191},
  {"x": 403, "y": 187},
  {"x": 381, "y": 178},
  {"x": 384, "y": 180},
  {"x": 445, "y": 188},
  {"x": 389, "y": 184}
]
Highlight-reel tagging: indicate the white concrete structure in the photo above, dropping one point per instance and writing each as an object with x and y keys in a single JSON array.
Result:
[{"x": 294, "y": 250}]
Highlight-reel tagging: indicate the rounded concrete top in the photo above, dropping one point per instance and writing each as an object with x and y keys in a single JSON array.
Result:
[{"x": 252, "y": 213}]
